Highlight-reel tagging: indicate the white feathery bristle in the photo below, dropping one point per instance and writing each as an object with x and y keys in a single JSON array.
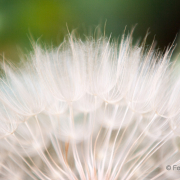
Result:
[{"x": 90, "y": 110}]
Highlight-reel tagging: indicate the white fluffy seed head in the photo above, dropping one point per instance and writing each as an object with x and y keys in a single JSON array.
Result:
[{"x": 90, "y": 110}]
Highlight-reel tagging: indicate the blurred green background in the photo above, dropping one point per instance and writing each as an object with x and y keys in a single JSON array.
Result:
[{"x": 46, "y": 19}]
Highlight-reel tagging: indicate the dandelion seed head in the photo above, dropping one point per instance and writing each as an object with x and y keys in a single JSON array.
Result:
[{"x": 96, "y": 109}]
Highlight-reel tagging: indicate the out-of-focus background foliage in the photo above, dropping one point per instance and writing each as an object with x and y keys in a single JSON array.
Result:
[{"x": 46, "y": 19}]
